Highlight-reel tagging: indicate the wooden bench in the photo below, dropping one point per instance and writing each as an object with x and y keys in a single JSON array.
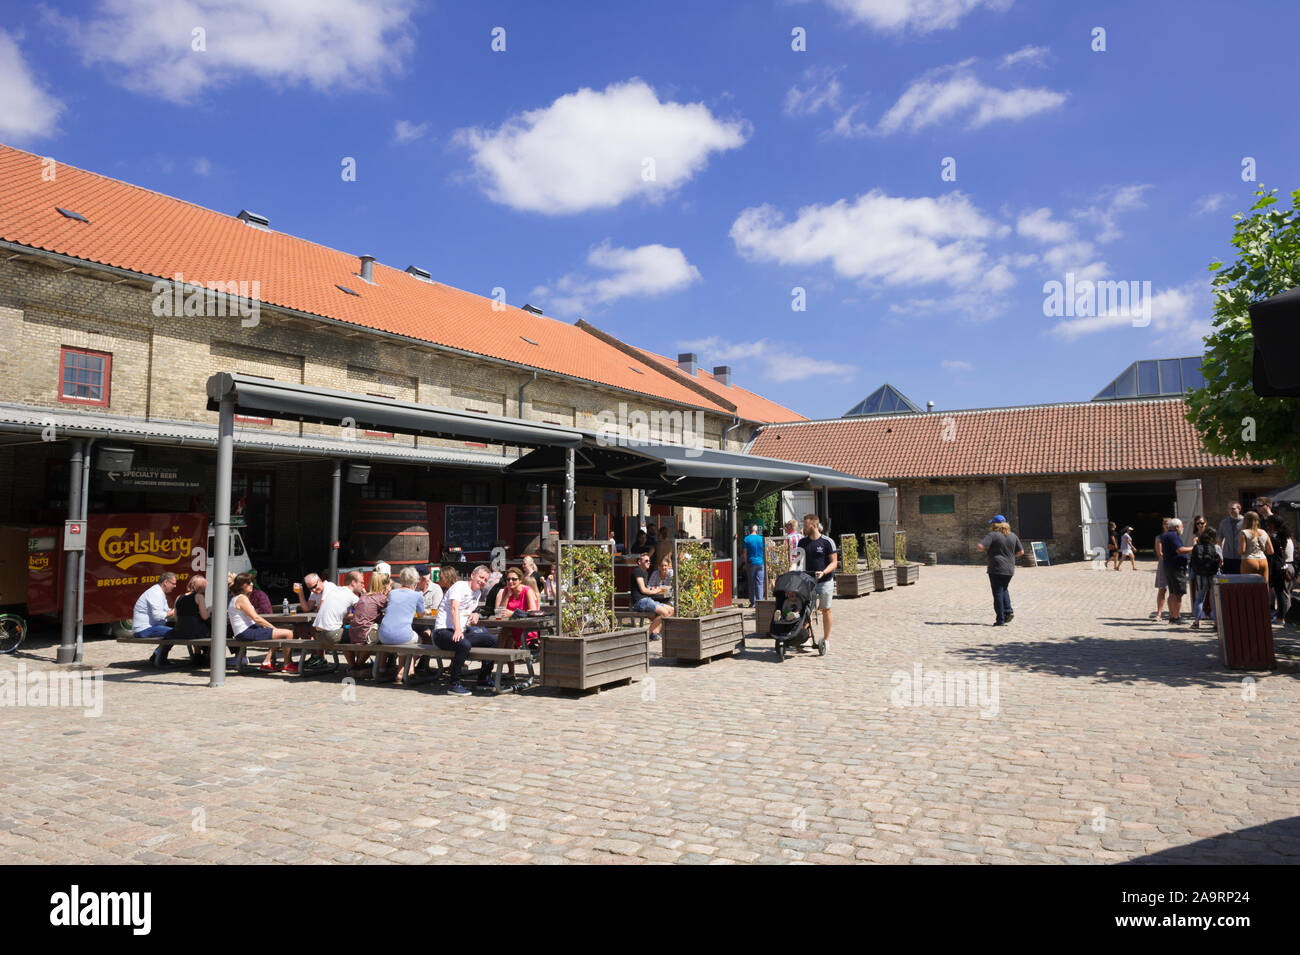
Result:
[
  {"x": 499, "y": 657},
  {"x": 240, "y": 648}
]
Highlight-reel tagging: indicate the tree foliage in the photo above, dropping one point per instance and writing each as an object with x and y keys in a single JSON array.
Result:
[{"x": 1231, "y": 419}]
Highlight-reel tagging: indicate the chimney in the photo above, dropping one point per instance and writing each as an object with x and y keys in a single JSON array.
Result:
[
  {"x": 368, "y": 269},
  {"x": 688, "y": 362},
  {"x": 723, "y": 374},
  {"x": 254, "y": 220},
  {"x": 929, "y": 406}
]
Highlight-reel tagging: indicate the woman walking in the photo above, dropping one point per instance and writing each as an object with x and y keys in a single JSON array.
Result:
[
  {"x": 1198, "y": 528},
  {"x": 1126, "y": 549},
  {"x": 1112, "y": 545},
  {"x": 1002, "y": 548},
  {"x": 1205, "y": 562}
]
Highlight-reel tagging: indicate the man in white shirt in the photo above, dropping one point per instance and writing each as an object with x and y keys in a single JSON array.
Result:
[
  {"x": 150, "y": 614},
  {"x": 336, "y": 604},
  {"x": 456, "y": 628}
]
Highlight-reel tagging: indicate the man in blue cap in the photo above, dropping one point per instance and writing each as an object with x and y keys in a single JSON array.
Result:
[{"x": 1002, "y": 547}]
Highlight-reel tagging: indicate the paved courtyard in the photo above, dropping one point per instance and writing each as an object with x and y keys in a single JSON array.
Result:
[{"x": 1092, "y": 734}]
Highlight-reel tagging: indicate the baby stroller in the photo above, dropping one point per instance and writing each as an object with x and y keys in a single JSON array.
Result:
[{"x": 795, "y": 593}]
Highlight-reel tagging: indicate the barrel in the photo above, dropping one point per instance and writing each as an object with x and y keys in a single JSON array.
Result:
[
  {"x": 931, "y": 558},
  {"x": 528, "y": 527},
  {"x": 393, "y": 531}
]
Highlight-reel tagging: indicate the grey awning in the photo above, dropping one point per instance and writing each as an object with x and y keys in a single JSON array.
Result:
[
  {"x": 679, "y": 474},
  {"x": 275, "y": 399}
]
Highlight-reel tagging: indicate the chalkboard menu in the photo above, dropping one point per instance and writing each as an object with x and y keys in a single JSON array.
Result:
[{"x": 471, "y": 527}]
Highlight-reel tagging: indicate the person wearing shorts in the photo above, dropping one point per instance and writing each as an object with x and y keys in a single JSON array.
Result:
[
  {"x": 247, "y": 624},
  {"x": 1173, "y": 553},
  {"x": 820, "y": 560},
  {"x": 1162, "y": 583},
  {"x": 649, "y": 599}
]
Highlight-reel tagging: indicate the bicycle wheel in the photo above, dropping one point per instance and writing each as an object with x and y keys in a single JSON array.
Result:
[{"x": 12, "y": 631}]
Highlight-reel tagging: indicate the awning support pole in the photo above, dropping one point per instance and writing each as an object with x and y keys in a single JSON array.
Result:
[
  {"x": 84, "y": 510},
  {"x": 546, "y": 523},
  {"x": 826, "y": 507},
  {"x": 68, "y": 638},
  {"x": 568, "y": 493},
  {"x": 734, "y": 517},
  {"x": 217, "y": 591},
  {"x": 334, "y": 521}
]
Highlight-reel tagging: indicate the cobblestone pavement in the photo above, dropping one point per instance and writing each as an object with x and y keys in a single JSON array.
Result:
[{"x": 1094, "y": 735}]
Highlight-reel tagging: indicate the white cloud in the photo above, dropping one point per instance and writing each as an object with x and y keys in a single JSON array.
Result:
[
  {"x": 823, "y": 92},
  {"x": 646, "y": 271},
  {"x": 589, "y": 149},
  {"x": 773, "y": 361},
  {"x": 1040, "y": 225},
  {"x": 323, "y": 43},
  {"x": 956, "y": 366},
  {"x": 203, "y": 166},
  {"x": 30, "y": 111},
  {"x": 1032, "y": 55},
  {"x": 1179, "y": 318},
  {"x": 880, "y": 239},
  {"x": 1211, "y": 203},
  {"x": 1106, "y": 209},
  {"x": 921, "y": 16},
  {"x": 408, "y": 132},
  {"x": 953, "y": 92}
]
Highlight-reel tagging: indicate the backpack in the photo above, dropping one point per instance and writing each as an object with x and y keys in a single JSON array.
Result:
[{"x": 1205, "y": 560}]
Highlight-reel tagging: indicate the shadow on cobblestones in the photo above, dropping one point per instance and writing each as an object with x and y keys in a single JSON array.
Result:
[
  {"x": 1173, "y": 661},
  {"x": 1272, "y": 843}
]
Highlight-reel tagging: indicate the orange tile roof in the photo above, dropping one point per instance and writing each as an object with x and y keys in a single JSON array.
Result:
[
  {"x": 749, "y": 406},
  {"x": 146, "y": 232},
  {"x": 1088, "y": 437}
]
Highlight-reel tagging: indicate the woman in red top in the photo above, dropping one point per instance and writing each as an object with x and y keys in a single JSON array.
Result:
[{"x": 516, "y": 596}]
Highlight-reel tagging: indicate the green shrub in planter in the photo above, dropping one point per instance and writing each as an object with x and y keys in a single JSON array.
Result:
[
  {"x": 872, "y": 542},
  {"x": 693, "y": 578},
  {"x": 900, "y": 547},
  {"x": 776, "y": 560},
  {"x": 848, "y": 554},
  {"x": 585, "y": 582}
]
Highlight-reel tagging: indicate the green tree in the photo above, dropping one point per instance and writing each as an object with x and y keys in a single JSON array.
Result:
[
  {"x": 763, "y": 513},
  {"x": 1230, "y": 417}
]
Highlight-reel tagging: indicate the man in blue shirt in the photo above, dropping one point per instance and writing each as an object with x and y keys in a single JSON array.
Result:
[
  {"x": 1174, "y": 554},
  {"x": 754, "y": 565}
]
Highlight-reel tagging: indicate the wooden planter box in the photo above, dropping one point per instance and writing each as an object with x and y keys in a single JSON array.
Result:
[
  {"x": 884, "y": 578},
  {"x": 703, "y": 638},
  {"x": 595, "y": 659},
  {"x": 907, "y": 574},
  {"x": 763, "y": 611},
  {"x": 854, "y": 585}
]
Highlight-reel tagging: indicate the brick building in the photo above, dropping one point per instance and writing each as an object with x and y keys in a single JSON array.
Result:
[
  {"x": 117, "y": 303},
  {"x": 1058, "y": 472}
]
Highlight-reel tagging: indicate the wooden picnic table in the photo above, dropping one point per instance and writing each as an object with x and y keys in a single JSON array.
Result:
[{"x": 299, "y": 623}]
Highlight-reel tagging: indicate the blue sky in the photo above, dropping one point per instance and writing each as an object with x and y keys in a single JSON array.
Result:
[{"x": 773, "y": 169}]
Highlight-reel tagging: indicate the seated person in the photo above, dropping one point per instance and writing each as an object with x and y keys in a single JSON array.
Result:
[
  {"x": 405, "y": 603},
  {"x": 150, "y": 615},
  {"x": 193, "y": 616},
  {"x": 663, "y": 576},
  {"x": 366, "y": 614},
  {"x": 247, "y": 624},
  {"x": 648, "y": 599},
  {"x": 457, "y": 628}
]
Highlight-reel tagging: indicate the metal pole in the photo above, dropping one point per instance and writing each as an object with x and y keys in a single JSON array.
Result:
[
  {"x": 81, "y": 559},
  {"x": 68, "y": 639},
  {"x": 734, "y": 516},
  {"x": 217, "y": 590},
  {"x": 826, "y": 507},
  {"x": 546, "y": 523},
  {"x": 334, "y": 521},
  {"x": 568, "y": 493},
  {"x": 641, "y": 508}
]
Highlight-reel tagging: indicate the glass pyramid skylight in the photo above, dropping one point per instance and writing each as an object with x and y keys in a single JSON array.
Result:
[
  {"x": 1157, "y": 378},
  {"x": 884, "y": 400}
]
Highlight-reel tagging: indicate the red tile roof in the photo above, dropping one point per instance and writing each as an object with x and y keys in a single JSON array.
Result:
[
  {"x": 146, "y": 232},
  {"x": 1088, "y": 437}
]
